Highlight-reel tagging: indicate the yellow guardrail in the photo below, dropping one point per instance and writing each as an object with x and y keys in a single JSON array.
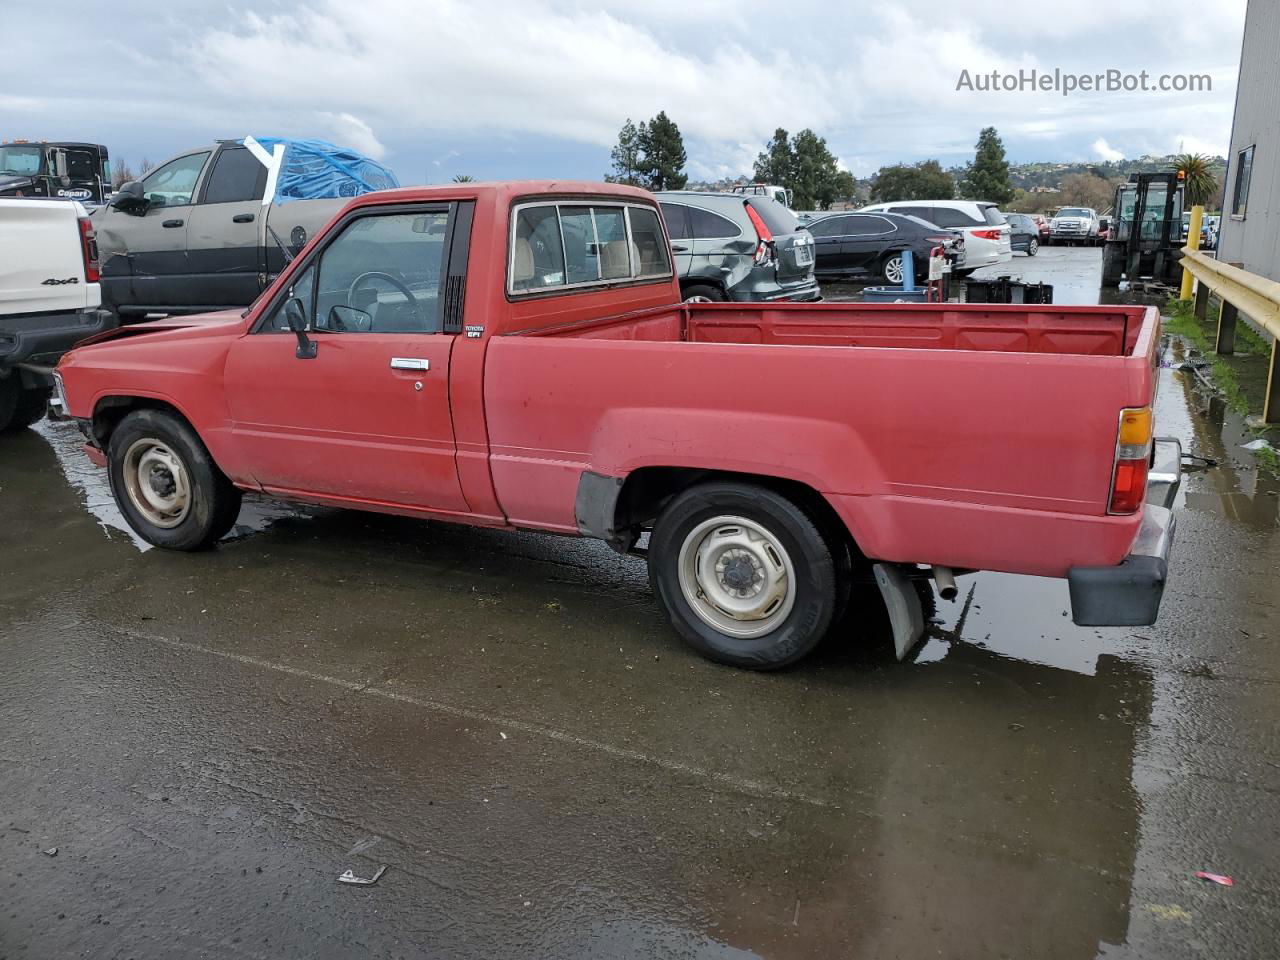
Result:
[{"x": 1239, "y": 290}]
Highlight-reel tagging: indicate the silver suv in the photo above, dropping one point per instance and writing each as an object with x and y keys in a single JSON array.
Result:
[{"x": 730, "y": 247}]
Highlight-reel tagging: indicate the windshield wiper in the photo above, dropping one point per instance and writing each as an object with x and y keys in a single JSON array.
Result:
[{"x": 288, "y": 259}]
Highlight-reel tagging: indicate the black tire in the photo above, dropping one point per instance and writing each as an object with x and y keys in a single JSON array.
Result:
[
  {"x": 1112, "y": 267},
  {"x": 214, "y": 503},
  {"x": 814, "y": 571},
  {"x": 1033, "y": 247},
  {"x": 10, "y": 392},
  {"x": 704, "y": 291}
]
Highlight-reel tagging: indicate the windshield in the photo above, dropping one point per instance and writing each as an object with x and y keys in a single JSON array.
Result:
[
  {"x": 24, "y": 160},
  {"x": 1075, "y": 212}
]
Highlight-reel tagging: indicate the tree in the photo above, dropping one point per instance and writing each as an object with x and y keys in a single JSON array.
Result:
[
  {"x": 777, "y": 162},
  {"x": 925, "y": 180},
  {"x": 121, "y": 173},
  {"x": 1086, "y": 190},
  {"x": 1199, "y": 185},
  {"x": 463, "y": 178},
  {"x": 988, "y": 176},
  {"x": 626, "y": 154},
  {"x": 663, "y": 156},
  {"x": 805, "y": 166},
  {"x": 846, "y": 187}
]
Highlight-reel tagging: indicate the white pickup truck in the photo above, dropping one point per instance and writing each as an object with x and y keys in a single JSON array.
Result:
[{"x": 49, "y": 299}]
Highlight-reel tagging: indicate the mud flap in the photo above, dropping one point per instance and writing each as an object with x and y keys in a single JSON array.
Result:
[{"x": 906, "y": 616}]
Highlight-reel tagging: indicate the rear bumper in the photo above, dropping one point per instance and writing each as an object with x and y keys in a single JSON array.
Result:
[
  {"x": 1129, "y": 594},
  {"x": 800, "y": 292},
  {"x": 43, "y": 338}
]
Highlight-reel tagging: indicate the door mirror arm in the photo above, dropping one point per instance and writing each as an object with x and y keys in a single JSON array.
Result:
[{"x": 297, "y": 319}]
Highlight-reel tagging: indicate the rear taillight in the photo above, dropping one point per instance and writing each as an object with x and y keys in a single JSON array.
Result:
[
  {"x": 1133, "y": 455},
  {"x": 987, "y": 234},
  {"x": 89, "y": 249},
  {"x": 764, "y": 236}
]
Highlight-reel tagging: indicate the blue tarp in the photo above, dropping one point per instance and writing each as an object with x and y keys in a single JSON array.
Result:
[{"x": 314, "y": 170}]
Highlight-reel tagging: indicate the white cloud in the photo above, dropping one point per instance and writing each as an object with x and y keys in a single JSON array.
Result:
[
  {"x": 353, "y": 132},
  {"x": 1105, "y": 151}
]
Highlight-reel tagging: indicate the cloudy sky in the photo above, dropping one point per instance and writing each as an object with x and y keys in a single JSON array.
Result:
[{"x": 533, "y": 88}]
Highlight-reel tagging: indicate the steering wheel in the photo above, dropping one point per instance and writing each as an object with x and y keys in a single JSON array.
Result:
[{"x": 398, "y": 284}]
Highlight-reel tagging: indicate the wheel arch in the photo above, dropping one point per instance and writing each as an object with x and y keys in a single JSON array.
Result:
[
  {"x": 109, "y": 410},
  {"x": 618, "y": 509}
]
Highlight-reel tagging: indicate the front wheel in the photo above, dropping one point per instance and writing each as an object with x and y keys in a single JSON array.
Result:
[
  {"x": 20, "y": 406},
  {"x": 891, "y": 270},
  {"x": 1033, "y": 247},
  {"x": 743, "y": 573},
  {"x": 166, "y": 484}
]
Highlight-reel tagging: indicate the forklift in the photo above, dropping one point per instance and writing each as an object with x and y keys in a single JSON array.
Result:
[{"x": 1145, "y": 238}]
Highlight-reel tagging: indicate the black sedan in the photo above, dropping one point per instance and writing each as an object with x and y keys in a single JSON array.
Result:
[
  {"x": 1024, "y": 233},
  {"x": 871, "y": 244}
]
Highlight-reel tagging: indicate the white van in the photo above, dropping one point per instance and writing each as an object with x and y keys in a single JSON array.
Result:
[{"x": 986, "y": 235}]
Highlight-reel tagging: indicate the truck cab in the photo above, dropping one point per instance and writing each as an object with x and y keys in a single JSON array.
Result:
[
  {"x": 781, "y": 194},
  {"x": 193, "y": 234},
  {"x": 62, "y": 171}
]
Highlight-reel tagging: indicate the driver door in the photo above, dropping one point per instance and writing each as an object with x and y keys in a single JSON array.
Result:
[{"x": 367, "y": 418}]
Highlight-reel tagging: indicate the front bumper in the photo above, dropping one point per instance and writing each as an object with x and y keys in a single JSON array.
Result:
[{"x": 1128, "y": 594}]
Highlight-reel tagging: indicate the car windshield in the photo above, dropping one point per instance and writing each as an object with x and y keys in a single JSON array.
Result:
[
  {"x": 1073, "y": 212},
  {"x": 24, "y": 160}
]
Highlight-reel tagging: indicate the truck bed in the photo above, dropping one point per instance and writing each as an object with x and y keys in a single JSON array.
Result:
[
  {"x": 971, "y": 436},
  {"x": 1081, "y": 331}
]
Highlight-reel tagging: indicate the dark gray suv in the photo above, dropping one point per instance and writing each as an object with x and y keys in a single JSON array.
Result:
[{"x": 730, "y": 247}]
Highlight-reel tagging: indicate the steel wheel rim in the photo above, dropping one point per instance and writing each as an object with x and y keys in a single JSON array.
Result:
[
  {"x": 893, "y": 270},
  {"x": 157, "y": 483},
  {"x": 737, "y": 577}
]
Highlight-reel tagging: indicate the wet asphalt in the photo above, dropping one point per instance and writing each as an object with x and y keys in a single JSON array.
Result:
[{"x": 506, "y": 723}]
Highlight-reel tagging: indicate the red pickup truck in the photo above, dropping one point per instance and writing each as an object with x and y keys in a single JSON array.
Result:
[{"x": 516, "y": 355}]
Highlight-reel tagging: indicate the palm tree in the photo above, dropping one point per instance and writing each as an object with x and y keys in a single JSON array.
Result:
[
  {"x": 463, "y": 178},
  {"x": 1198, "y": 184}
]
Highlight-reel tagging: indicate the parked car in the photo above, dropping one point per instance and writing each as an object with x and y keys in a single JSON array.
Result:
[
  {"x": 49, "y": 299},
  {"x": 871, "y": 244},
  {"x": 986, "y": 235},
  {"x": 200, "y": 233},
  {"x": 1024, "y": 233},
  {"x": 448, "y": 352},
  {"x": 1071, "y": 225},
  {"x": 734, "y": 247},
  {"x": 1042, "y": 224}
]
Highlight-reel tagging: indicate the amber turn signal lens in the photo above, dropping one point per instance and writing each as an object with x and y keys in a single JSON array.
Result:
[{"x": 1135, "y": 427}]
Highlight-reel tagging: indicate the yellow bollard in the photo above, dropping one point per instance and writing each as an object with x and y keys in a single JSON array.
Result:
[{"x": 1193, "y": 242}]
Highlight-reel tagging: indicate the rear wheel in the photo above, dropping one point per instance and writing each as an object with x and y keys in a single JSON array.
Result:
[
  {"x": 167, "y": 485},
  {"x": 891, "y": 270},
  {"x": 703, "y": 293},
  {"x": 1033, "y": 247},
  {"x": 744, "y": 574},
  {"x": 20, "y": 406}
]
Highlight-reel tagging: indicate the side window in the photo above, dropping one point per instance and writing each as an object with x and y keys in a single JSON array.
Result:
[
  {"x": 554, "y": 245},
  {"x": 705, "y": 225},
  {"x": 1240, "y": 194},
  {"x": 537, "y": 256},
  {"x": 173, "y": 184},
  {"x": 924, "y": 213},
  {"x": 649, "y": 246},
  {"x": 302, "y": 289},
  {"x": 677, "y": 217},
  {"x": 869, "y": 226},
  {"x": 949, "y": 217},
  {"x": 382, "y": 275},
  {"x": 80, "y": 164},
  {"x": 236, "y": 176}
]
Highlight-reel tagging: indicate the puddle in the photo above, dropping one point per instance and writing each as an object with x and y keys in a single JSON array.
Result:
[{"x": 256, "y": 513}]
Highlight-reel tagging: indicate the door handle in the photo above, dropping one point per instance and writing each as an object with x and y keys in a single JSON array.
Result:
[
  {"x": 410, "y": 363},
  {"x": 679, "y": 248},
  {"x": 242, "y": 218},
  {"x": 172, "y": 223}
]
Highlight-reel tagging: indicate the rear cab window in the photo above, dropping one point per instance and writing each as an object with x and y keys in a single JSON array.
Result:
[{"x": 583, "y": 244}]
